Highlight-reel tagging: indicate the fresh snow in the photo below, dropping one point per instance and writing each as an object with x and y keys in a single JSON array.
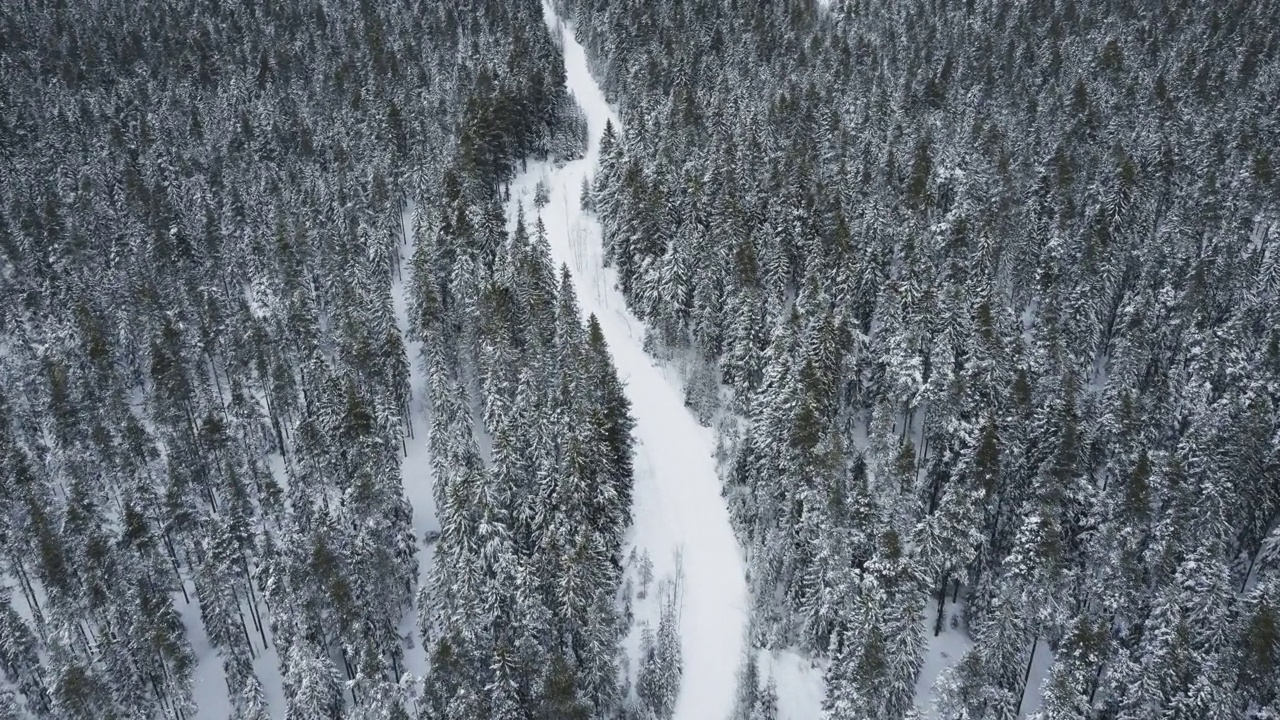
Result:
[
  {"x": 1041, "y": 664},
  {"x": 680, "y": 518},
  {"x": 941, "y": 652},
  {"x": 798, "y": 681},
  {"x": 208, "y": 681},
  {"x": 944, "y": 650}
]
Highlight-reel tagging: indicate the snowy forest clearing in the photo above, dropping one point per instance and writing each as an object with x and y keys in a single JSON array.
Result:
[{"x": 678, "y": 510}]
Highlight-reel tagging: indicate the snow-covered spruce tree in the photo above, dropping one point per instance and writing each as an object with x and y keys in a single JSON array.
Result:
[{"x": 661, "y": 667}]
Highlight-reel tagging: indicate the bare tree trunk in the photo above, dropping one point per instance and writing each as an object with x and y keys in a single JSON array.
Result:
[
  {"x": 244, "y": 626},
  {"x": 275, "y": 421},
  {"x": 942, "y": 602},
  {"x": 253, "y": 603},
  {"x": 1026, "y": 676},
  {"x": 29, "y": 592},
  {"x": 173, "y": 558},
  {"x": 1245, "y": 582}
]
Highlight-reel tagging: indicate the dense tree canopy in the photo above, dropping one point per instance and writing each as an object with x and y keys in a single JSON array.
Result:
[
  {"x": 992, "y": 288},
  {"x": 982, "y": 297},
  {"x": 205, "y": 392}
]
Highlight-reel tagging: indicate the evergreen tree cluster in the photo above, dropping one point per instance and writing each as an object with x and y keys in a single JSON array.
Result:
[
  {"x": 531, "y": 448},
  {"x": 205, "y": 392},
  {"x": 994, "y": 292},
  {"x": 661, "y": 663}
]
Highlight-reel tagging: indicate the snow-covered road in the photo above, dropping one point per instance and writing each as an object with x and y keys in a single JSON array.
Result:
[{"x": 678, "y": 510}]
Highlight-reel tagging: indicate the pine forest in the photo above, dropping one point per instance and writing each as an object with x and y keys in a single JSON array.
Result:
[{"x": 640, "y": 360}]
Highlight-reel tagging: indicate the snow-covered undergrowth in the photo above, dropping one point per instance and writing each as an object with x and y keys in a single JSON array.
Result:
[{"x": 680, "y": 518}]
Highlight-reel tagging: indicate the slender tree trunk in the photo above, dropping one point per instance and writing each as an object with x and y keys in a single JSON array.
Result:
[
  {"x": 995, "y": 521},
  {"x": 1026, "y": 676},
  {"x": 248, "y": 639},
  {"x": 84, "y": 638},
  {"x": 29, "y": 592},
  {"x": 942, "y": 602},
  {"x": 226, "y": 289},
  {"x": 217, "y": 382},
  {"x": 173, "y": 558},
  {"x": 275, "y": 421},
  {"x": 935, "y": 491},
  {"x": 1245, "y": 582},
  {"x": 253, "y": 603},
  {"x": 158, "y": 693},
  {"x": 244, "y": 626},
  {"x": 1097, "y": 677},
  {"x": 395, "y": 662},
  {"x": 285, "y": 418},
  {"x": 924, "y": 452},
  {"x": 351, "y": 675}
]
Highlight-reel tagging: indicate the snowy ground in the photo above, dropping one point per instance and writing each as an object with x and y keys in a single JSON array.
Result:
[
  {"x": 208, "y": 681},
  {"x": 941, "y": 652},
  {"x": 944, "y": 650},
  {"x": 799, "y": 682},
  {"x": 680, "y": 518},
  {"x": 1041, "y": 664}
]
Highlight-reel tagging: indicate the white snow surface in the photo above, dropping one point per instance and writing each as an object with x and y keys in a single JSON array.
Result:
[
  {"x": 941, "y": 653},
  {"x": 679, "y": 515},
  {"x": 798, "y": 680},
  {"x": 1041, "y": 664},
  {"x": 208, "y": 681}
]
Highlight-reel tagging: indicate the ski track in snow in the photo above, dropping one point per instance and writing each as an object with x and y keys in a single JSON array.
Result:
[
  {"x": 680, "y": 518},
  {"x": 415, "y": 467}
]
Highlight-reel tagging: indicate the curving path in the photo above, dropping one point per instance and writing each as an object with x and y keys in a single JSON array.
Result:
[{"x": 680, "y": 518}]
